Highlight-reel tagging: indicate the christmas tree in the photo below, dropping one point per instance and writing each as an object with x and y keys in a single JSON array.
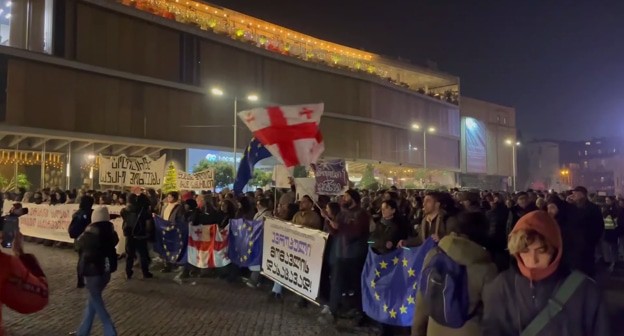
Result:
[
  {"x": 171, "y": 179},
  {"x": 368, "y": 178}
]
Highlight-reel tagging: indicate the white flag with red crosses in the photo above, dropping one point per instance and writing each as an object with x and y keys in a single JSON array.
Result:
[{"x": 290, "y": 133}]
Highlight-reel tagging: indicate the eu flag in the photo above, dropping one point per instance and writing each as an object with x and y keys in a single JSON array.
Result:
[
  {"x": 171, "y": 240},
  {"x": 389, "y": 284},
  {"x": 245, "y": 242},
  {"x": 253, "y": 153}
]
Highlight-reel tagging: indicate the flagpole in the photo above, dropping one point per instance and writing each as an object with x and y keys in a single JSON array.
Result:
[{"x": 235, "y": 135}]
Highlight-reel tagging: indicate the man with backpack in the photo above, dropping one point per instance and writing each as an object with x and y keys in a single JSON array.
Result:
[
  {"x": 540, "y": 295},
  {"x": 449, "y": 299},
  {"x": 137, "y": 227}
]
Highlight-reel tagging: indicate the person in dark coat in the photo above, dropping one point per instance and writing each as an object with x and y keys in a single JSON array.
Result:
[
  {"x": 388, "y": 231},
  {"x": 497, "y": 219},
  {"x": 519, "y": 294},
  {"x": 137, "y": 228},
  {"x": 586, "y": 227},
  {"x": 80, "y": 220},
  {"x": 523, "y": 206},
  {"x": 98, "y": 259}
]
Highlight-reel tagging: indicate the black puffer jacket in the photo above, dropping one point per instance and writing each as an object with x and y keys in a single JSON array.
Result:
[
  {"x": 511, "y": 302},
  {"x": 96, "y": 246}
]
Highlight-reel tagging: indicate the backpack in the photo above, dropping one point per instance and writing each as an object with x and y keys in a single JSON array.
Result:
[{"x": 444, "y": 287}]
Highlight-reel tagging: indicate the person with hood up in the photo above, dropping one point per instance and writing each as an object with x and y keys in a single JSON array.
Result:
[
  {"x": 98, "y": 259},
  {"x": 539, "y": 295},
  {"x": 461, "y": 245}
]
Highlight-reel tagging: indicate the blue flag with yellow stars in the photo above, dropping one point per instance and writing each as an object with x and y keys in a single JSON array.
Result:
[
  {"x": 389, "y": 284},
  {"x": 245, "y": 242},
  {"x": 253, "y": 154},
  {"x": 171, "y": 240}
]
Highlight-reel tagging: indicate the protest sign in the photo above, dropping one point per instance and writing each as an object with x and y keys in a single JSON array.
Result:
[
  {"x": 52, "y": 221},
  {"x": 203, "y": 180},
  {"x": 293, "y": 256},
  {"x": 305, "y": 186},
  {"x": 331, "y": 177},
  {"x": 124, "y": 171},
  {"x": 281, "y": 176}
]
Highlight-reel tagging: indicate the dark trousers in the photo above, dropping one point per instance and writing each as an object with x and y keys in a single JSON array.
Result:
[
  {"x": 346, "y": 276},
  {"x": 134, "y": 246},
  {"x": 80, "y": 282}
]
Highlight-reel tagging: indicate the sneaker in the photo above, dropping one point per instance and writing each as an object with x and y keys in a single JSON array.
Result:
[{"x": 325, "y": 310}]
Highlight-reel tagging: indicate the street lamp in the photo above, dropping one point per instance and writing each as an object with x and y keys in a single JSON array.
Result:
[
  {"x": 513, "y": 144},
  {"x": 252, "y": 97},
  {"x": 426, "y": 130}
]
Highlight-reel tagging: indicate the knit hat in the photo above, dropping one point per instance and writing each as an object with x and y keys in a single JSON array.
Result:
[{"x": 100, "y": 215}]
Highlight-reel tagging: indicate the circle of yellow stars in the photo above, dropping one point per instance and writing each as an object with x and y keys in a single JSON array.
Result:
[
  {"x": 168, "y": 253},
  {"x": 411, "y": 274},
  {"x": 241, "y": 228}
]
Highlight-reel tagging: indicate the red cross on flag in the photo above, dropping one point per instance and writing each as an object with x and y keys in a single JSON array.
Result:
[
  {"x": 208, "y": 246},
  {"x": 290, "y": 133}
]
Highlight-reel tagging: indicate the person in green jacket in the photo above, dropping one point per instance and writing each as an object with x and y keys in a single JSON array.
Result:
[{"x": 460, "y": 245}]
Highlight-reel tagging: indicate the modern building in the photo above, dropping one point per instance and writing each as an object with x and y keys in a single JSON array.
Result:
[
  {"x": 595, "y": 163},
  {"x": 488, "y": 145},
  {"x": 82, "y": 78}
]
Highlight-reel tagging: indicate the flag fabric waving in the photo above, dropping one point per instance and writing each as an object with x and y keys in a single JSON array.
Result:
[
  {"x": 290, "y": 133},
  {"x": 253, "y": 154},
  {"x": 245, "y": 242},
  {"x": 389, "y": 284},
  {"x": 171, "y": 240},
  {"x": 208, "y": 246}
]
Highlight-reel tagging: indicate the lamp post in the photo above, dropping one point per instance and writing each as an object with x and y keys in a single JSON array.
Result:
[
  {"x": 430, "y": 130},
  {"x": 513, "y": 144},
  {"x": 215, "y": 91}
]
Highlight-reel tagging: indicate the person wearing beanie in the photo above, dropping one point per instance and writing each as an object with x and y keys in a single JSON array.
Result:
[
  {"x": 540, "y": 295},
  {"x": 98, "y": 259}
]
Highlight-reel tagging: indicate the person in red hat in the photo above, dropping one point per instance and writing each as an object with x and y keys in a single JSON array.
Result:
[{"x": 540, "y": 295}]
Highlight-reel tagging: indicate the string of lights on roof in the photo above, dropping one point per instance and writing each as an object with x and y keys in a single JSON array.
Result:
[{"x": 30, "y": 158}]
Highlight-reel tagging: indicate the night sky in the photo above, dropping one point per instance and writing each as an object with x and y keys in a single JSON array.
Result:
[{"x": 559, "y": 63}]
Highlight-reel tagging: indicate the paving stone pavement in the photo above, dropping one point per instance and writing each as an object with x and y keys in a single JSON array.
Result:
[
  {"x": 162, "y": 307},
  {"x": 210, "y": 307}
]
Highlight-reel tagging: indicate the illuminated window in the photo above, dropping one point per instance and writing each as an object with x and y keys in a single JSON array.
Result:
[
  {"x": 504, "y": 120},
  {"x": 602, "y": 179},
  {"x": 585, "y": 152},
  {"x": 585, "y": 164}
]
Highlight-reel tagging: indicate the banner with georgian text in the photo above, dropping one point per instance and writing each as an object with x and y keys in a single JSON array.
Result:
[
  {"x": 203, "y": 180},
  {"x": 293, "y": 256},
  {"x": 52, "y": 221},
  {"x": 130, "y": 172}
]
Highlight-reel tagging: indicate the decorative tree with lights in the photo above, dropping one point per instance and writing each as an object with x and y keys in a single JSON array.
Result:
[
  {"x": 171, "y": 179},
  {"x": 368, "y": 178}
]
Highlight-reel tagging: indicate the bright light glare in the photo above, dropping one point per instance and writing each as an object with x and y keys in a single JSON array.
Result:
[
  {"x": 253, "y": 97},
  {"x": 471, "y": 123},
  {"x": 432, "y": 130},
  {"x": 8, "y": 16},
  {"x": 518, "y": 143},
  {"x": 8, "y": 4},
  {"x": 509, "y": 142},
  {"x": 415, "y": 126},
  {"x": 90, "y": 156},
  {"x": 216, "y": 91}
]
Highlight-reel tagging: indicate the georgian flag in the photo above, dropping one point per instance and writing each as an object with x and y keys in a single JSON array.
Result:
[
  {"x": 208, "y": 246},
  {"x": 290, "y": 133}
]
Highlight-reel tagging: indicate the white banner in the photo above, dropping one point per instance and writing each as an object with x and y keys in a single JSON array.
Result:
[
  {"x": 306, "y": 186},
  {"x": 293, "y": 256},
  {"x": 129, "y": 172},
  {"x": 281, "y": 176},
  {"x": 202, "y": 180},
  {"x": 52, "y": 221}
]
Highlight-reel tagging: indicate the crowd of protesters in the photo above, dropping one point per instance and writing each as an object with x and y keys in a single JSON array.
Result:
[{"x": 517, "y": 248}]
